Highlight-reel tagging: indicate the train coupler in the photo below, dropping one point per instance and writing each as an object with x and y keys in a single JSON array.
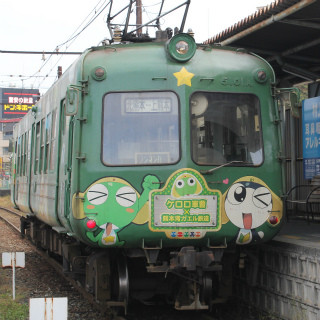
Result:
[{"x": 191, "y": 259}]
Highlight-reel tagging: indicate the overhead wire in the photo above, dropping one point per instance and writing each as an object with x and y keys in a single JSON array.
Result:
[{"x": 74, "y": 36}]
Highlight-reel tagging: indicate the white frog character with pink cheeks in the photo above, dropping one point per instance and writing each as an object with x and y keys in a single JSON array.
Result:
[{"x": 248, "y": 205}]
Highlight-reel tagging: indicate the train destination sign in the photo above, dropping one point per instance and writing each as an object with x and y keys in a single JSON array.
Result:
[
  {"x": 311, "y": 137},
  {"x": 137, "y": 105},
  {"x": 15, "y": 103}
]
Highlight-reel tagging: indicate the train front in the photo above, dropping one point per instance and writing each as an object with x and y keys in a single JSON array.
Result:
[{"x": 176, "y": 156}]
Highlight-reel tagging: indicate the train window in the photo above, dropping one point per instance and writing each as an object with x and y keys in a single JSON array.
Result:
[
  {"x": 53, "y": 139},
  {"x": 28, "y": 151},
  {"x": 140, "y": 128},
  {"x": 16, "y": 156},
  {"x": 37, "y": 148},
  {"x": 22, "y": 155},
  {"x": 19, "y": 156},
  {"x": 63, "y": 120},
  {"x": 42, "y": 145},
  {"x": 225, "y": 128},
  {"x": 47, "y": 142},
  {"x": 25, "y": 144}
]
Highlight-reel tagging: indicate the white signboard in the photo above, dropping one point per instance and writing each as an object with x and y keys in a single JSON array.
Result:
[
  {"x": 48, "y": 309},
  {"x": 11, "y": 259}
]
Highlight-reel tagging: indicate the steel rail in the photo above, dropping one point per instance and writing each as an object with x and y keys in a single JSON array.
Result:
[
  {"x": 57, "y": 266},
  {"x": 7, "y": 221}
]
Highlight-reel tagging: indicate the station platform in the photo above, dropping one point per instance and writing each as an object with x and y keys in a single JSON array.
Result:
[
  {"x": 287, "y": 273},
  {"x": 300, "y": 232}
]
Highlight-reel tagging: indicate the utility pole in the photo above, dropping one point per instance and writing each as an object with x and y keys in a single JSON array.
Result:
[
  {"x": 139, "y": 16},
  {"x": 59, "y": 72}
]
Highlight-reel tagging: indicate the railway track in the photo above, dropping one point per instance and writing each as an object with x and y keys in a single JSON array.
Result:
[
  {"x": 232, "y": 311},
  {"x": 95, "y": 311},
  {"x": 12, "y": 218}
]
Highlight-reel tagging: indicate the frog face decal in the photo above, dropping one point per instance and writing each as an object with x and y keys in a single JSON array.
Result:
[
  {"x": 186, "y": 184},
  {"x": 111, "y": 204},
  {"x": 248, "y": 204}
]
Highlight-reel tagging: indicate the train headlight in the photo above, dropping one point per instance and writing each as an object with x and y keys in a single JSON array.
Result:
[
  {"x": 99, "y": 73},
  {"x": 181, "y": 47}
]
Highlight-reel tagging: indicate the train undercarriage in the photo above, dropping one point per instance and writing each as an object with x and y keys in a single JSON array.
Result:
[{"x": 188, "y": 278}]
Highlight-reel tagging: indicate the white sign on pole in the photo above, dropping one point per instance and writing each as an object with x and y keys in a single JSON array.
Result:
[
  {"x": 10, "y": 259},
  {"x": 13, "y": 260},
  {"x": 48, "y": 309}
]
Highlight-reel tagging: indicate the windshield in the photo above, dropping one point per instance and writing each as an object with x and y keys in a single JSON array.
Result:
[
  {"x": 225, "y": 127},
  {"x": 140, "y": 128}
]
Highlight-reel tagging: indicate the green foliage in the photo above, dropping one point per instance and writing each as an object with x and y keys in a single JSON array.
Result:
[
  {"x": 303, "y": 87},
  {"x": 12, "y": 309}
]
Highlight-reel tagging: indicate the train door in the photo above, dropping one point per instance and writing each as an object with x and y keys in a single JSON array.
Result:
[{"x": 64, "y": 165}]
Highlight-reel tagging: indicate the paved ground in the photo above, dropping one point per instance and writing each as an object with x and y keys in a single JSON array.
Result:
[{"x": 300, "y": 232}]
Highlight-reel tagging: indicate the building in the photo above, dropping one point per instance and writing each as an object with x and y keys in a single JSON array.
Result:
[{"x": 14, "y": 104}]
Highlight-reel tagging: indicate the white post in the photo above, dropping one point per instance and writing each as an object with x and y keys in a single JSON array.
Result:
[
  {"x": 13, "y": 260},
  {"x": 14, "y": 275}
]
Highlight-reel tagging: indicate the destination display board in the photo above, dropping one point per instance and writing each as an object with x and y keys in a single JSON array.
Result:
[
  {"x": 311, "y": 137},
  {"x": 15, "y": 103}
]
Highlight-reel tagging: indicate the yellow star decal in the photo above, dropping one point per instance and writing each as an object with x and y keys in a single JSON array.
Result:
[{"x": 184, "y": 77}]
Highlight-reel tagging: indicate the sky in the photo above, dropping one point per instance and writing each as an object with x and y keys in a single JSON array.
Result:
[{"x": 43, "y": 25}]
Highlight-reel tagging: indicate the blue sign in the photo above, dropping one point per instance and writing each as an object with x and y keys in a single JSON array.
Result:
[{"x": 311, "y": 137}]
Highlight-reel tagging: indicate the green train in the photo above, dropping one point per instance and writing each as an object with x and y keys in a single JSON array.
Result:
[{"x": 147, "y": 164}]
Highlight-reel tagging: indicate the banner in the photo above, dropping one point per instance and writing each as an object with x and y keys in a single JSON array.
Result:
[{"x": 15, "y": 103}]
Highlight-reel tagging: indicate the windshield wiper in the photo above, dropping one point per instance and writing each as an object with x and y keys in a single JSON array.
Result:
[{"x": 223, "y": 165}]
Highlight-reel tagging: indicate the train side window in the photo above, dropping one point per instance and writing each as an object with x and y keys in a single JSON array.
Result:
[
  {"x": 37, "y": 148},
  {"x": 225, "y": 127},
  {"x": 47, "y": 142},
  {"x": 53, "y": 140},
  {"x": 18, "y": 156},
  {"x": 28, "y": 144},
  {"x": 140, "y": 128},
  {"x": 24, "y": 153},
  {"x": 63, "y": 118},
  {"x": 21, "y": 156},
  {"x": 42, "y": 145}
]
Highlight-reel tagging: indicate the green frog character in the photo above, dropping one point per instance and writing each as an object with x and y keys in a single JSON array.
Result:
[
  {"x": 186, "y": 184},
  {"x": 112, "y": 203}
]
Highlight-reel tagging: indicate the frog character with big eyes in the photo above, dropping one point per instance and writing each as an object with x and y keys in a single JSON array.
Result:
[
  {"x": 249, "y": 204},
  {"x": 186, "y": 184},
  {"x": 110, "y": 204}
]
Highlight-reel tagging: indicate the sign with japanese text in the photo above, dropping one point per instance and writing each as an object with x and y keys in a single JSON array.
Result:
[
  {"x": 311, "y": 137},
  {"x": 186, "y": 208},
  {"x": 15, "y": 103}
]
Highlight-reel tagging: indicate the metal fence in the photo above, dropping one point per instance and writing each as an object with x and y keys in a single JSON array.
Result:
[{"x": 293, "y": 150}]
